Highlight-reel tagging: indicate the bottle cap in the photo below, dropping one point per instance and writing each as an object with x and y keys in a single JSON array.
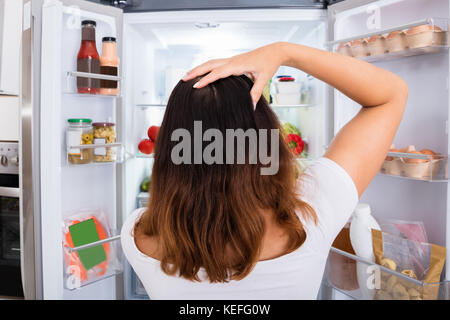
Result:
[
  {"x": 109, "y": 39},
  {"x": 361, "y": 209},
  {"x": 86, "y": 22},
  {"x": 79, "y": 120}
]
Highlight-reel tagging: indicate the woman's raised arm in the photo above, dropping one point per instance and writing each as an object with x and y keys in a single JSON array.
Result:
[{"x": 362, "y": 144}]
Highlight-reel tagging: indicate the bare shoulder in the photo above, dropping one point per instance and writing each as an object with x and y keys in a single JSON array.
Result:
[{"x": 148, "y": 245}]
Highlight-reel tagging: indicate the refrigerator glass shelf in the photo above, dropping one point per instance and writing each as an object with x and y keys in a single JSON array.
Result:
[
  {"x": 416, "y": 38},
  {"x": 75, "y": 279},
  {"x": 416, "y": 166},
  {"x": 151, "y": 106},
  {"x": 341, "y": 273},
  {"x": 292, "y": 106},
  {"x": 144, "y": 156}
]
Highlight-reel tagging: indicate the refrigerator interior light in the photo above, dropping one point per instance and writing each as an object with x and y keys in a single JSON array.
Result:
[{"x": 203, "y": 25}]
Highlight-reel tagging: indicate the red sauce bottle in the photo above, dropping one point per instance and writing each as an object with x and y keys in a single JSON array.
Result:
[{"x": 88, "y": 59}]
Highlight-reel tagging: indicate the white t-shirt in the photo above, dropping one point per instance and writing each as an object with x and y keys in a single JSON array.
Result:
[{"x": 326, "y": 187}]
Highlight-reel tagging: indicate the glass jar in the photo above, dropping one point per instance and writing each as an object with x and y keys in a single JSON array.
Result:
[
  {"x": 79, "y": 132},
  {"x": 109, "y": 65},
  {"x": 88, "y": 59},
  {"x": 104, "y": 133}
]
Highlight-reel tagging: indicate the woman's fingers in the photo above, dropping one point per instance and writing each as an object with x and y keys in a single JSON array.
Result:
[
  {"x": 257, "y": 89},
  {"x": 203, "y": 68},
  {"x": 214, "y": 75}
]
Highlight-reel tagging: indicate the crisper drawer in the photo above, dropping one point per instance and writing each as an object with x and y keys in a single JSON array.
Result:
[{"x": 362, "y": 280}]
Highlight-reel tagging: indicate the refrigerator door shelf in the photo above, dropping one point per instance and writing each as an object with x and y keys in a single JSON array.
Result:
[
  {"x": 76, "y": 276},
  {"x": 406, "y": 53},
  {"x": 416, "y": 166},
  {"x": 71, "y": 82},
  {"x": 341, "y": 274},
  {"x": 420, "y": 37},
  {"x": 101, "y": 153}
]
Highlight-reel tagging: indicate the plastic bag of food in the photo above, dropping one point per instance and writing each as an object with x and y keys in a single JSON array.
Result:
[
  {"x": 412, "y": 230},
  {"x": 86, "y": 265},
  {"x": 417, "y": 260}
]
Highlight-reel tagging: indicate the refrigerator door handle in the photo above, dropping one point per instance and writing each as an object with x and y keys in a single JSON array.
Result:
[{"x": 9, "y": 192}]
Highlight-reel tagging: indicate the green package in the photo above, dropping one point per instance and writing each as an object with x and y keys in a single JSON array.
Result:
[{"x": 83, "y": 233}]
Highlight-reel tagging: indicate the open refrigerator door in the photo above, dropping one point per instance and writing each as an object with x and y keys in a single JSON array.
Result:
[
  {"x": 408, "y": 38},
  {"x": 81, "y": 151}
]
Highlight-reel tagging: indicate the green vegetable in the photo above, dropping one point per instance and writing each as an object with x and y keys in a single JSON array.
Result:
[
  {"x": 290, "y": 128},
  {"x": 145, "y": 185}
]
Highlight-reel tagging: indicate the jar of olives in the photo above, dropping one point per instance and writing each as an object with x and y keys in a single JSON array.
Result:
[
  {"x": 79, "y": 132},
  {"x": 104, "y": 133}
]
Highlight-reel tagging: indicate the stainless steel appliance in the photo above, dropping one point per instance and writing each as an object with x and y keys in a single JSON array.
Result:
[{"x": 10, "y": 270}]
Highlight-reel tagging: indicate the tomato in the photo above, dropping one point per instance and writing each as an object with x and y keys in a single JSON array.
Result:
[
  {"x": 153, "y": 132},
  {"x": 146, "y": 146}
]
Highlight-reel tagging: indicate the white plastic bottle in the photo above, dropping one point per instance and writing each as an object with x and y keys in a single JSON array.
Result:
[
  {"x": 360, "y": 231},
  {"x": 361, "y": 240}
]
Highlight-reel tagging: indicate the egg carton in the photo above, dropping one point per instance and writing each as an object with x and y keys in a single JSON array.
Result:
[
  {"x": 416, "y": 166},
  {"x": 427, "y": 35}
]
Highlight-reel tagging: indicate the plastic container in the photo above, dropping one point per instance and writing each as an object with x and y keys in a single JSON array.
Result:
[
  {"x": 345, "y": 49},
  {"x": 359, "y": 48},
  {"x": 289, "y": 87},
  {"x": 360, "y": 231},
  {"x": 288, "y": 98},
  {"x": 376, "y": 45},
  {"x": 79, "y": 132},
  {"x": 104, "y": 133},
  {"x": 396, "y": 41},
  {"x": 361, "y": 239},
  {"x": 425, "y": 35}
]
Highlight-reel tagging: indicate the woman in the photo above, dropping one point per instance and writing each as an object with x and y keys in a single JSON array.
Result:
[{"x": 224, "y": 231}]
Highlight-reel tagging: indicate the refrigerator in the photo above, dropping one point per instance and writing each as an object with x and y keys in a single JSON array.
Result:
[{"x": 156, "y": 46}]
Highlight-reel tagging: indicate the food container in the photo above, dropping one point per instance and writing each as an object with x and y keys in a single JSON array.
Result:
[
  {"x": 376, "y": 45},
  {"x": 288, "y": 98},
  {"x": 104, "y": 133},
  {"x": 359, "y": 48},
  {"x": 288, "y": 87},
  {"x": 393, "y": 167},
  {"x": 396, "y": 41},
  {"x": 416, "y": 170},
  {"x": 425, "y": 35},
  {"x": 79, "y": 132},
  {"x": 345, "y": 49}
]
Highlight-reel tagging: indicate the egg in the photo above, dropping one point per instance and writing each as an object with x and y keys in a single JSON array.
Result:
[
  {"x": 393, "y": 34},
  {"x": 409, "y": 160},
  {"x": 428, "y": 152},
  {"x": 422, "y": 28},
  {"x": 374, "y": 38},
  {"x": 392, "y": 150}
]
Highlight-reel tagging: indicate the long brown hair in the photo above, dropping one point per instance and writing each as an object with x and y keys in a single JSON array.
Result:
[{"x": 209, "y": 216}]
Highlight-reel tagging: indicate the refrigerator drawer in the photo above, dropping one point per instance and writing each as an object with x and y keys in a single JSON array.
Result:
[{"x": 359, "y": 279}]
